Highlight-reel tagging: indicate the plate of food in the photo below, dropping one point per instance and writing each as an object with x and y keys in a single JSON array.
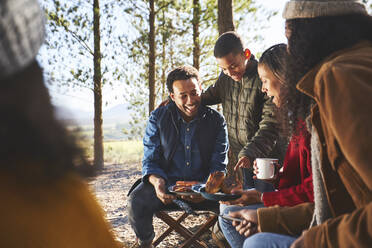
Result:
[
  {"x": 183, "y": 188},
  {"x": 218, "y": 187}
]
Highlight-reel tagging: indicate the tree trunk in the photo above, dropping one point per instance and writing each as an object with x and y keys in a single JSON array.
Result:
[
  {"x": 163, "y": 68},
  {"x": 195, "y": 26},
  {"x": 225, "y": 16},
  {"x": 152, "y": 57},
  {"x": 97, "y": 78},
  {"x": 225, "y": 21}
]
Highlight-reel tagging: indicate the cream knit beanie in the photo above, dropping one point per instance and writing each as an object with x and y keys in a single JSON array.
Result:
[
  {"x": 22, "y": 33},
  {"x": 310, "y": 9}
]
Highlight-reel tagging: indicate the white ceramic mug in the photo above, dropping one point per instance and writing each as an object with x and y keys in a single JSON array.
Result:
[{"x": 266, "y": 167}]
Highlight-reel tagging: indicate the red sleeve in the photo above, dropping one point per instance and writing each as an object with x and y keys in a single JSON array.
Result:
[
  {"x": 291, "y": 196},
  {"x": 296, "y": 182}
]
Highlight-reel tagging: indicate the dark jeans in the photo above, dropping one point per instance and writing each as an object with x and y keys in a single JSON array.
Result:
[
  {"x": 232, "y": 236},
  {"x": 143, "y": 204}
]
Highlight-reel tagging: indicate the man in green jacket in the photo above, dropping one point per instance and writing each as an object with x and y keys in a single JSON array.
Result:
[
  {"x": 249, "y": 113},
  {"x": 330, "y": 46}
]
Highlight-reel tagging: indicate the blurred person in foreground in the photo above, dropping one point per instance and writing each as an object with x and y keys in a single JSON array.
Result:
[
  {"x": 45, "y": 203},
  {"x": 294, "y": 183},
  {"x": 330, "y": 47},
  {"x": 185, "y": 141}
]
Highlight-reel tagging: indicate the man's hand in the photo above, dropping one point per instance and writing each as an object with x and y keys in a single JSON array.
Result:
[
  {"x": 299, "y": 243},
  {"x": 243, "y": 162},
  {"x": 249, "y": 225},
  {"x": 193, "y": 198},
  {"x": 248, "y": 197},
  {"x": 159, "y": 186}
]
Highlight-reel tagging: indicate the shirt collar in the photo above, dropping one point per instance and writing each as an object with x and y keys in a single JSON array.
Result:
[{"x": 201, "y": 113}]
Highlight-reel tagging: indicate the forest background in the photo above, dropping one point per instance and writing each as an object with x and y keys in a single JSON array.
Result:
[{"x": 105, "y": 61}]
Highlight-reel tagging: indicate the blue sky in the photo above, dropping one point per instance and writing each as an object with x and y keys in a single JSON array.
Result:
[{"x": 83, "y": 99}]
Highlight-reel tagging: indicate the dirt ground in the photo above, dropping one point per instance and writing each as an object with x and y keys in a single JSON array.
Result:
[{"x": 111, "y": 188}]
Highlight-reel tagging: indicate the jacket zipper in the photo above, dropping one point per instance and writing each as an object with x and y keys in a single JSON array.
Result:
[{"x": 237, "y": 116}]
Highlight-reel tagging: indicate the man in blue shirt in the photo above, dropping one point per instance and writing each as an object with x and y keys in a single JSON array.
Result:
[{"x": 183, "y": 141}]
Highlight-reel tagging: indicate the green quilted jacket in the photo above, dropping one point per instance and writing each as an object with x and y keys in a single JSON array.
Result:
[{"x": 249, "y": 113}]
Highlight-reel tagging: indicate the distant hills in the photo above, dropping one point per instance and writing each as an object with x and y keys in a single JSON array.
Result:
[{"x": 116, "y": 114}]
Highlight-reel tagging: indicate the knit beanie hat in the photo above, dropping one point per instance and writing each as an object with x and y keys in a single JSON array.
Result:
[
  {"x": 22, "y": 33},
  {"x": 310, "y": 9}
]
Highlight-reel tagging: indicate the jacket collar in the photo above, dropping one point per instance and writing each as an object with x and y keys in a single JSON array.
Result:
[
  {"x": 306, "y": 83},
  {"x": 202, "y": 111},
  {"x": 251, "y": 68}
]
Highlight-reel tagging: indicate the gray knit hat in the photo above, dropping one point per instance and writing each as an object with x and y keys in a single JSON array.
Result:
[
  {"x": 310, "y": 9},
  {"x": 22, "y": 33}
]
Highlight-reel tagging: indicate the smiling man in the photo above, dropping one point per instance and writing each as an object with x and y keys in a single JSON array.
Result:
[{"x": 183, "y": 141}]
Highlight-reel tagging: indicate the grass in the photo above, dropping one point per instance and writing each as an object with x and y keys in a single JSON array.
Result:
[
  {"x": 118, "y": 149},
  {"x": 118, "y": 152},
  {"x": 123, "y": 151}
]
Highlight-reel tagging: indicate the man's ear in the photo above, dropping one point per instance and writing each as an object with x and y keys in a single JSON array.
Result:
[
  {"x": 247, "y": 53},
  {"x": 171, "y": 95},
  {"x": 200, "y": 86}
]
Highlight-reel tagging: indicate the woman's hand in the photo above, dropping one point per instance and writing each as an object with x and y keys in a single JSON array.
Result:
[
  {"x": 247, "y": 197},
  {"x": 249, "y": 224}
]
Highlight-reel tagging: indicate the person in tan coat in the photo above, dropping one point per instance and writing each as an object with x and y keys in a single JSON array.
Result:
[{"x": 330, "y": 46}]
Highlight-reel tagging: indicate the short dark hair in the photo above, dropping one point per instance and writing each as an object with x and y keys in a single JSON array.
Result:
[
  {"x": 275, "y": 58},
  {"x": 181, "y": 73},
  {"x": 228, "y": 42}
]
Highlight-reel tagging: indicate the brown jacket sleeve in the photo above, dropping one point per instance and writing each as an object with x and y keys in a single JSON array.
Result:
[
  {"x": 349, "y": 230},
  {"x": 343, "y": 92},
  {"x": 286, "y": 220},
  {"x": 344, "y": 96}
]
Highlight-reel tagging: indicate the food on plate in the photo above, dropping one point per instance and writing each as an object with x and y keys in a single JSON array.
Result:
[
  {"x": 177, "y": 188},
  {"x": 184, "y": 186},
  {"x": 214, "y": 182},
  {"x": 231, "y": 183},
  {"x": 186, "y": 183}
]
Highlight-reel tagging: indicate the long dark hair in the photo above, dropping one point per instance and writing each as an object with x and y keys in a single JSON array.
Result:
[
  {"x": 31, "y": 139},
  {"x": 276, "y": 58},
  {"x": 310, "y": 41}
]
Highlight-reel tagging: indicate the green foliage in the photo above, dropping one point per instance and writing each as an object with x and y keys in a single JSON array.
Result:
[
  {"x": 251, "y": 22},
  {"x": 174, "y": 31},
  {"x": 124, "y": 45},
  {"x": 69, "y": 44}
]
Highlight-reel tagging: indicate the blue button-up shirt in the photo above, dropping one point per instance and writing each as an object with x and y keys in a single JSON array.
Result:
[{"x": 186, "y": 163}]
